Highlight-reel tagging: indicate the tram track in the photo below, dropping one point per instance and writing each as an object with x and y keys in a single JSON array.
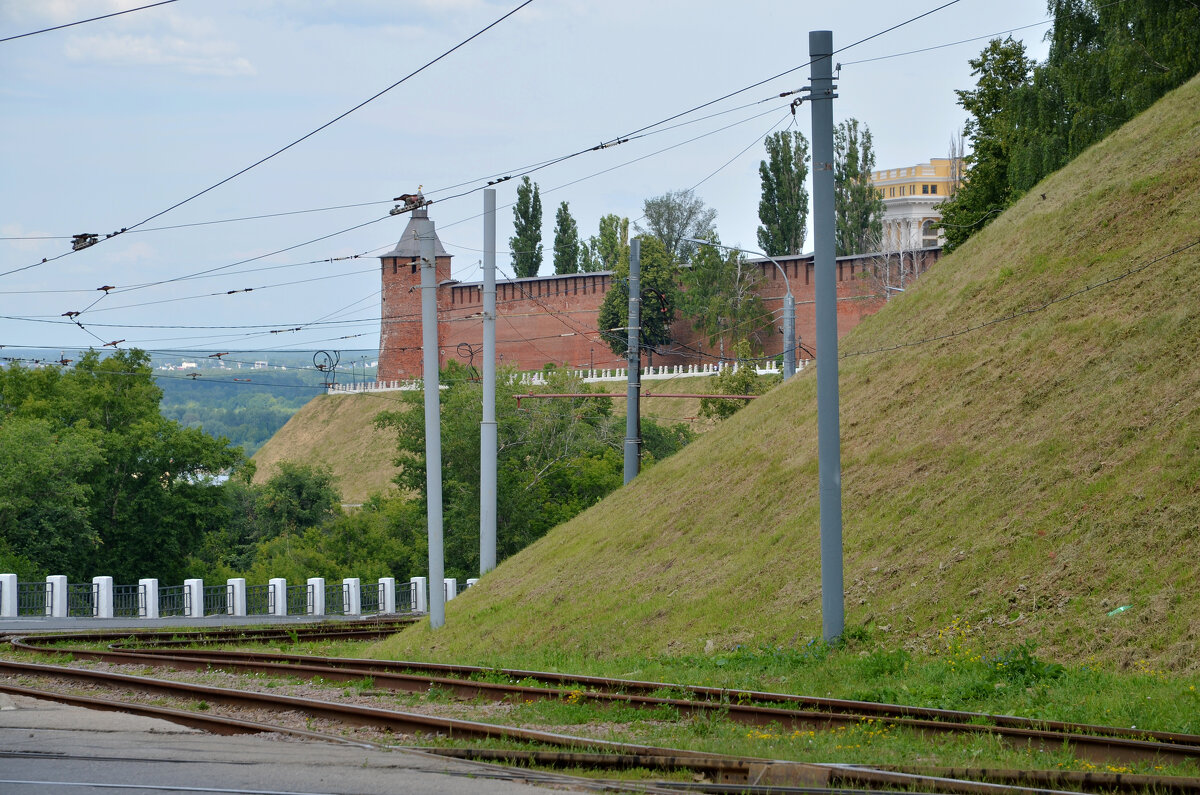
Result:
[
  {"x": 1093, "y": 743},
  {"x": 163, "y": 649}
]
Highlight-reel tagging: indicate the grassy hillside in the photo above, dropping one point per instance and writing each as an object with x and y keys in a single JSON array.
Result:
[
  {"x": 1021, "y": 453},
  {"x": 337, "y": 431}
]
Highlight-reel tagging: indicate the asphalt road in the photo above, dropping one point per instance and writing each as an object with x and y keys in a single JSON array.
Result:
[{"x": 53, "y": 749}]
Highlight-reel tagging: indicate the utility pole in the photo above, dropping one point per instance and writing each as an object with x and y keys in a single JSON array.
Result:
[
  {"x": 633, "y": 441},
  {"x": 487, "y": 428},
  {"x": 426, "y": 237},
  {"x": 829, "y": 453}
]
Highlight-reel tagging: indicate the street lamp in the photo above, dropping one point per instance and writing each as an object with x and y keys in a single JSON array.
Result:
[{"x": 789, "y": 306}]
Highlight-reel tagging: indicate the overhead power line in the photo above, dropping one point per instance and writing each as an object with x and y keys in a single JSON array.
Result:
[
  {"x": 85, "y": 21},
  {"x": 302, "y": 138}
]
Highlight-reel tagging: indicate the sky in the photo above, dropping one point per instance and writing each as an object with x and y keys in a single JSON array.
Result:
[{"x": 109, "y": 123}]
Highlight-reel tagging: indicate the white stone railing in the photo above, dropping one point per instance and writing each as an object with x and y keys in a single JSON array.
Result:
[
  {"x": 56, "y": 598},
  {"x": 588, "y": 376}
]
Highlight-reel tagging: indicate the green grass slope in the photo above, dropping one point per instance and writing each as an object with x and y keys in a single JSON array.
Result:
[
  {"x": 1026, "y": 476},
  {"x": 338, "y": 431}
]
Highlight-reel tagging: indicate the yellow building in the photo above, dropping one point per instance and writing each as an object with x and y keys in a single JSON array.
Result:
[{"x": 910, "y": 199}]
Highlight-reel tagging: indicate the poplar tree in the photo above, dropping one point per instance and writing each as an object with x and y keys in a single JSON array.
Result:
[
  {"x": 858, "y": 207},
  {"x": 783, "y": 208},
  {"x": 526, "y": 242},
  {"x": 567, "y": 254}
]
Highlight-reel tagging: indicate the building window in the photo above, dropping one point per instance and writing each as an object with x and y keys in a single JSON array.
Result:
[
  {"x": 924, "y": 189},
  {"x": 933, "y": 188},
  {"x": 929, "y": 235}
]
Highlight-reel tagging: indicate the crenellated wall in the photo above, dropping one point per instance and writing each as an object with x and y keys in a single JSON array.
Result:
[{"x": 553, "y": 319}]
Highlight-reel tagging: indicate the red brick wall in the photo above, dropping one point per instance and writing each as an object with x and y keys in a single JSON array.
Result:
[{"x": 553, "y": 319}]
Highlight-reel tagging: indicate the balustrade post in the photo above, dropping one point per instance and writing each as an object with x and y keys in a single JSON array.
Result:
[
  {"x": 56, "y": 596},
  {"x": 195, "y": 598},
  {"x": 148, "y": 598},
  {"x": 421, "y": 597},
  {"x": 352, "y": 596},
  {"x": 8, "y": 596},
  {"x": 237, "y": 596},
  {"x": 316, "y": 590},
  {"x": 102, "y": 597},
  {"x": 279, "y": 592},
  {"x": 387, "y": 595}
]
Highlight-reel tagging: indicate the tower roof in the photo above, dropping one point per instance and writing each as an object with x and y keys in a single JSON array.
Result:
[{"x": 409, "y": 246}]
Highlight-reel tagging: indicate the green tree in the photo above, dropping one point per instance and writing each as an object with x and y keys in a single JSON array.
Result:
[
  {"x": 742, "y": 379},
  {"x": 45, "y": 495},
  {"x": 1001, "y": 70},
  {"x": 675, "y": 215},
  {"x": 138, "y": 490},
  {"x": 556, "y": 457},
  {"x": 611, "y": 247},
  {"x": 589, "y": 255},
  {"x": 567, "y": 253},
  {"x": 720, "y": 295},
  {"x": 783, "y": 208},
  {"x": 526, "y": 242},
  {"x": 659, "y": 294},
  {"x": 858, "y": 207}
]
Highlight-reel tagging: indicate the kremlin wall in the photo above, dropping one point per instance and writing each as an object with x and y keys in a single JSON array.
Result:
[{"x": 553, "y": 319}]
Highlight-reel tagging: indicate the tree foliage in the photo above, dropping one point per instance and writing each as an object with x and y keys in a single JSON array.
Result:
[
  {"x": 659, "y": 292},
  {"x": 721, "y": 297},
  {"x": 1108, "y": 61},
  {"x": 609, "y": 250},
  {"x": 742, "y": 379},
  {"x": 95, "y": 479},
  {"x": 556, "y": 457},
  {"x": 1001, "y": 70},
  {"x": 675, "y": 215},
  {"x": 858, "y": 207},
  {"x": 783, "y": 208},
  {"x": 567, "y": 253},
  {"x": 526, "y": 242}
]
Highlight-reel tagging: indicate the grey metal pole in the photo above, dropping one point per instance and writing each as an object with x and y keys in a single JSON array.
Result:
[
  {"x": 829, "y": 453},
  {"x": 789, "y": 335},
  {"x": 433, "y": 421},
  {"x": 487, "y": 428},
  {"x": 634, "y": 362}
]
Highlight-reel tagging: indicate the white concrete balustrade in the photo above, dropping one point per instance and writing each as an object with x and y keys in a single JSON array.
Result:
[
  {"x": 588, "y": 376},
  {"x": 48, "y": 599}
]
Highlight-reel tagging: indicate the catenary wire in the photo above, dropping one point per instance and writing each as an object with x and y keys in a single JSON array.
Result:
[
  {"x": 304, "y": 137},
  {"x": 85, "y": 21}
]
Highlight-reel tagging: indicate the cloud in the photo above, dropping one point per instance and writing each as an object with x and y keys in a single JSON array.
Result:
[{"x": 216, "y": 58}]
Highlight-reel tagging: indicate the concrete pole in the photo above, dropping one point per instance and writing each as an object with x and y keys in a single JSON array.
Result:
[
  {"x": 488, "y": 443},
  {"x": 829, "y": 454},
  {"x": 433, "y": 419},
  {"x": 789, "y": 335},
  {"x": 634, "y": 358}
]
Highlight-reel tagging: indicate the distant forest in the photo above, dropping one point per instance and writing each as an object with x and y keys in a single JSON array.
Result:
[{"x": 247, "y": 406}]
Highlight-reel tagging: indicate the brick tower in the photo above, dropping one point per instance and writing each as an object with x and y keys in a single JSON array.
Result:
[{"x": 400, "y": 327}]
